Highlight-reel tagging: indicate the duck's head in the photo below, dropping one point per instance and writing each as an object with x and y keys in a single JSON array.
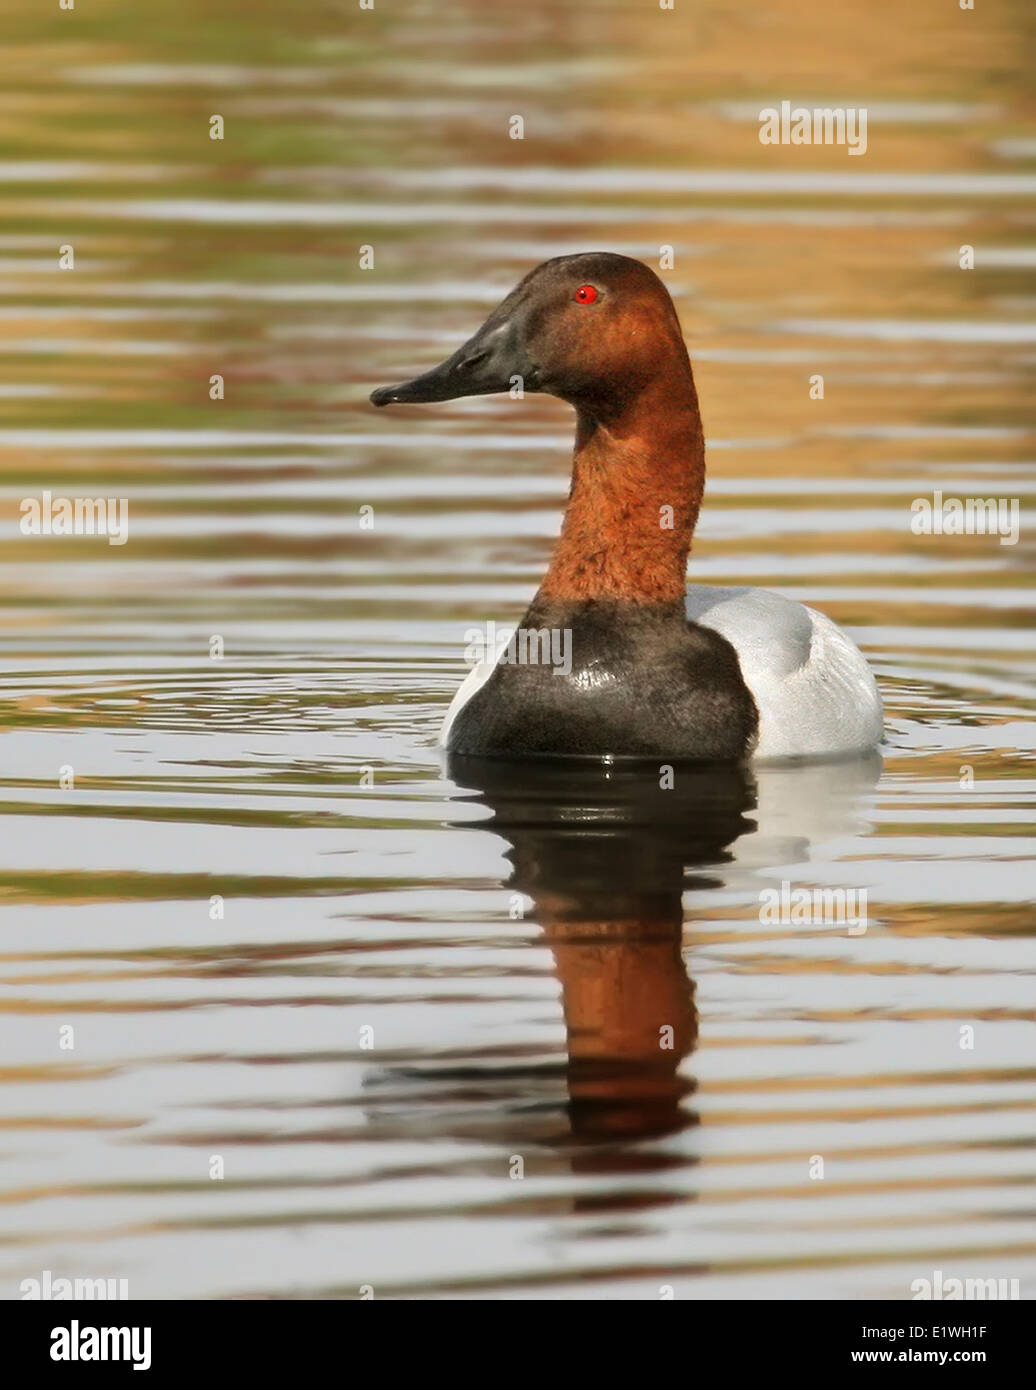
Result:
[{"x": 592, "y": 328}]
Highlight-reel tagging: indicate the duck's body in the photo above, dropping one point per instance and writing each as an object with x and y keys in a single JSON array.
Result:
[
  {"x": 643, "y": 682},
  {"x": 812, "y": 694},
  {"x": 651, "y": 668}
]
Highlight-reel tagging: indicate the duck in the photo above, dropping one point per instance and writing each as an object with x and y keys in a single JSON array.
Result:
[{"x": 622, "y": 658}]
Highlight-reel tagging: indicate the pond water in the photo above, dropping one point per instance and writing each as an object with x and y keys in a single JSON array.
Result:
[{"x": 252, "y": 924}]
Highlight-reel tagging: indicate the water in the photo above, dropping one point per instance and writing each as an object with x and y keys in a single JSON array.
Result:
[{"x": 513, "y": 944}]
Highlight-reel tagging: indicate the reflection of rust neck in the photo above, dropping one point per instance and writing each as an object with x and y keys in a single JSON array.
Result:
[
  {"x": 637, "y": 480},
  {"x": 630, "y": 1019}
]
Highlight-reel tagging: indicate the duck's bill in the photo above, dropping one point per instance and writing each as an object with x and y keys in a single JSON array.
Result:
[{"x": 487, "y": 363}]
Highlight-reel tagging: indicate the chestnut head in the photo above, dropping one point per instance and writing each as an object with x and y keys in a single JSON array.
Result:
[{"x": 593, "y": 328}]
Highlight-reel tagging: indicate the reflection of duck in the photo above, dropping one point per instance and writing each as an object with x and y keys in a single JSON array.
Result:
[
  {"x": 798, "y": 807},
  {"x": 615, "y": 655},
  {"x": 604, "y": 853}
]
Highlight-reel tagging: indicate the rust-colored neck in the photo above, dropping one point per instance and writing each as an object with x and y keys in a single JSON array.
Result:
[{"x": 637, "y": 480}]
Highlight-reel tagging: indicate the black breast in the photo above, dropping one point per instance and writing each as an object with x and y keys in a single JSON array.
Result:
[{"x": 608, "y": 678}]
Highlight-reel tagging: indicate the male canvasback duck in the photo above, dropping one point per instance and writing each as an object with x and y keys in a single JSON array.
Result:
[{"x": 655, "y": 669}]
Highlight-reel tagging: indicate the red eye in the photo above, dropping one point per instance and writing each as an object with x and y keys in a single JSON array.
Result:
[{"x": 585, "y": 294}]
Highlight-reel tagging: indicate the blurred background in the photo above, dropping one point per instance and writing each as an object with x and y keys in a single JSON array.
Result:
[{"x": 234, "y": 1029}]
